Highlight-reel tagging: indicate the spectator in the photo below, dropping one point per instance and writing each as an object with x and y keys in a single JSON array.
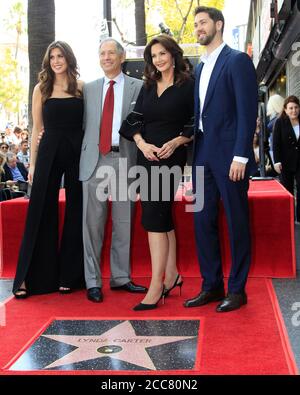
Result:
[
  {"x": 274, "y": 109},
  {"x": 8, "y": 134},
  {"x": 2, "y": 163},
  {"x": 14, "y": 170},
  {"x": 23, "y": 154},
  {"x": 269, "y": 168},
  {"x": 4, "y": 148},
  {"x": 286, "y": 147},
  {"x": 2, "y": 137},
  {"x": 16, "y": 136},
  {"x": 24, "y": 134},
  {"x": 14, "y": 148},
  {"x": 7, "y": 191}
]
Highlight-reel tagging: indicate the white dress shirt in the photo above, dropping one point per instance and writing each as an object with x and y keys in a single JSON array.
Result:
[
  {"x": 209, "y": 61},
  {"x": 118, "y": 101},
  {"x": 296, "y": 130}
]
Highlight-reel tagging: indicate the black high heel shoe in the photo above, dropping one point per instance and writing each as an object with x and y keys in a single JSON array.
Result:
[
  {"x": 176, "y": 284},
  {"x": 23, "y": 295},
  {"x": 64, "y": 291},
  {"x": 144, "y": 306}
]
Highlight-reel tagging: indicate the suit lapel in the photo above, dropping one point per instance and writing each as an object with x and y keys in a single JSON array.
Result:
[
  {"x": 98, "y": 98},
  {"x": 196, "y": 92},
  {"x": 215, "y": 74},
  {"x": 127, "y": 95}
]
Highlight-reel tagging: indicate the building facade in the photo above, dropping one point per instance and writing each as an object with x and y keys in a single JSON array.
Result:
[{"x": 273, "y": 42}]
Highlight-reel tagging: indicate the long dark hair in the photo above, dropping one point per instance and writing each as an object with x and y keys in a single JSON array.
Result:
[
  {"x": 46, "y": 76},
  {"x": 289, "y": 99},
  {"x": 181, "y": 69}
]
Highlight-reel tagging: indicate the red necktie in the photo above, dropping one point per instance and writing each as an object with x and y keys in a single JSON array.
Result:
[{"x": 107, "y": 120}]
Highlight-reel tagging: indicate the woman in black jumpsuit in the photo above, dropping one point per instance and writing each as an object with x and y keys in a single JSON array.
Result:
[
  {"x": 44, "y": 264},
  {"x": 161, "y": 124}
]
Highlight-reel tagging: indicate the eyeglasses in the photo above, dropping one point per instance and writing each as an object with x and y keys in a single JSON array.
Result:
[{"x": 4, "y": 147}]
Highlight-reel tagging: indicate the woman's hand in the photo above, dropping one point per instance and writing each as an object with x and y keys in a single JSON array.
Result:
[
  {"x": 149, "y": 150},
  {"x": 167, "y": 149},
  {"x": 278, "y": 168},
  {"x": 30, "y": 174}
]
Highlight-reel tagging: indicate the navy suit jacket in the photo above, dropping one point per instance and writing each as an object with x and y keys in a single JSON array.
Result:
[{"x": 230, "y": 110}]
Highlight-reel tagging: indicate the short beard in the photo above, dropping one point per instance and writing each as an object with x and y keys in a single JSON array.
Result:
[{"x": 209, "y": 38}]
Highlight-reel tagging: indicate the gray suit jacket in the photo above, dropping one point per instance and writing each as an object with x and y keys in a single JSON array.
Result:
[{"x": 92, "y": 93}]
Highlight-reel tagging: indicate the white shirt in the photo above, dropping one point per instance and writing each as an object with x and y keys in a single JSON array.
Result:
[
  {"x": 208, "y": 67},
  {"x": 297, "y": 131},
  {"x": 209, "y": 61},
  {"x": 118, "y": 101},
  {"x": 24, "y": 158}
]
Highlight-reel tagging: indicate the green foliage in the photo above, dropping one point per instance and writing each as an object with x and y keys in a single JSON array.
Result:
[
  {"x": 17, "y": 18},
  {"x": 173, "y": 13},
  {"x": 12, "y": 91}
]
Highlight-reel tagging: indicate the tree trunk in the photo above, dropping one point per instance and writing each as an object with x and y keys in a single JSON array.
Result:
[
  {"x": 41, "y": 32},
  {"x": 140, "y": 22}
]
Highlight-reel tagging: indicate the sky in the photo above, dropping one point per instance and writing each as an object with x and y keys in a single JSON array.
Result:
[
  {"x": 83, "y": 37},
  {"x": 78, "y": 23}
]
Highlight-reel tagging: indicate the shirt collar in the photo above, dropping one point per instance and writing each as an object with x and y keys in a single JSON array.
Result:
[
  {"x": 214, "y": 55},
  {"x": 118, "y": 79}
]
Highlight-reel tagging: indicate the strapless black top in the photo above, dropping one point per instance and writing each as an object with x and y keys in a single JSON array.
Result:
[{"x": 63, "y": 114}]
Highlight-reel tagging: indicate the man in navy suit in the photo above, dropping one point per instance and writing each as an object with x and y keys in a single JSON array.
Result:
[{"x": 225, "y": 119}]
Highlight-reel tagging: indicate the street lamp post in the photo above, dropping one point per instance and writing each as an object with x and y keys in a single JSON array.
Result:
[{"x": 107, "y": 14}]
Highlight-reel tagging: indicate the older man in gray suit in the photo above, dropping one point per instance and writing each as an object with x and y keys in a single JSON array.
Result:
[{"x": 107, "y": 103}]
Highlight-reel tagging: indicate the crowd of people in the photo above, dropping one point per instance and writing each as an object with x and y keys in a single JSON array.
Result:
[
  {"x": 95, "y": 126},
  {"x": 14, "y": 162}
]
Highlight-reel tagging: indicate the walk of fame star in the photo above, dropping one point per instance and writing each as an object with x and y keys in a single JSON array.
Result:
[{"x": 119, "y": 342}]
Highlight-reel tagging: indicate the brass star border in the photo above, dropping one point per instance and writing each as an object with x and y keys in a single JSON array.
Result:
[{"x": 115, "y": 344}]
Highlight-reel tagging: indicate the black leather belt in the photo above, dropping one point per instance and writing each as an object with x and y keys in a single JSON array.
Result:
[{"x": 115, "y": 148}]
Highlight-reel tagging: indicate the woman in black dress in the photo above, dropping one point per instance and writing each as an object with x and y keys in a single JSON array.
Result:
[
  {"x": 286, "y": 147},
  {"x": 161, "y": 124},
  {"x": 44, "y": 265}
]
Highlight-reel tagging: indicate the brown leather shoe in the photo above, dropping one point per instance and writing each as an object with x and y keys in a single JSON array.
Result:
[
  {"x": 232, "y": 302},
  {"x": 205, "y": 297}
]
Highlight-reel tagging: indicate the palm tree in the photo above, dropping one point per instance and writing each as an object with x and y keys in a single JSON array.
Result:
[
  {"x": 140, "y": 22},
  {"x": 41, "y": 32}
]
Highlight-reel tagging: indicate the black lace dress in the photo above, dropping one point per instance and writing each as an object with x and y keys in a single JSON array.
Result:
[{"x": 160, "y": 119}]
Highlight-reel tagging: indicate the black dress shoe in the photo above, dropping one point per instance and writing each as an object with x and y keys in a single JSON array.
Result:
[
  {"x": 130, "y": 287},
  {"x": 232, "y": 302},
  {"x": 205, "y": 297},
  {"x": 95, "y": 295}
]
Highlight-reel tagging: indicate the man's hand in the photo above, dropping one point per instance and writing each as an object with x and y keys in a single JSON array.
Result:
[
  {"x": 237, "y": 171},
  {"x": 39, "y": 137},
  {"x": 11, "y": 183}
]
